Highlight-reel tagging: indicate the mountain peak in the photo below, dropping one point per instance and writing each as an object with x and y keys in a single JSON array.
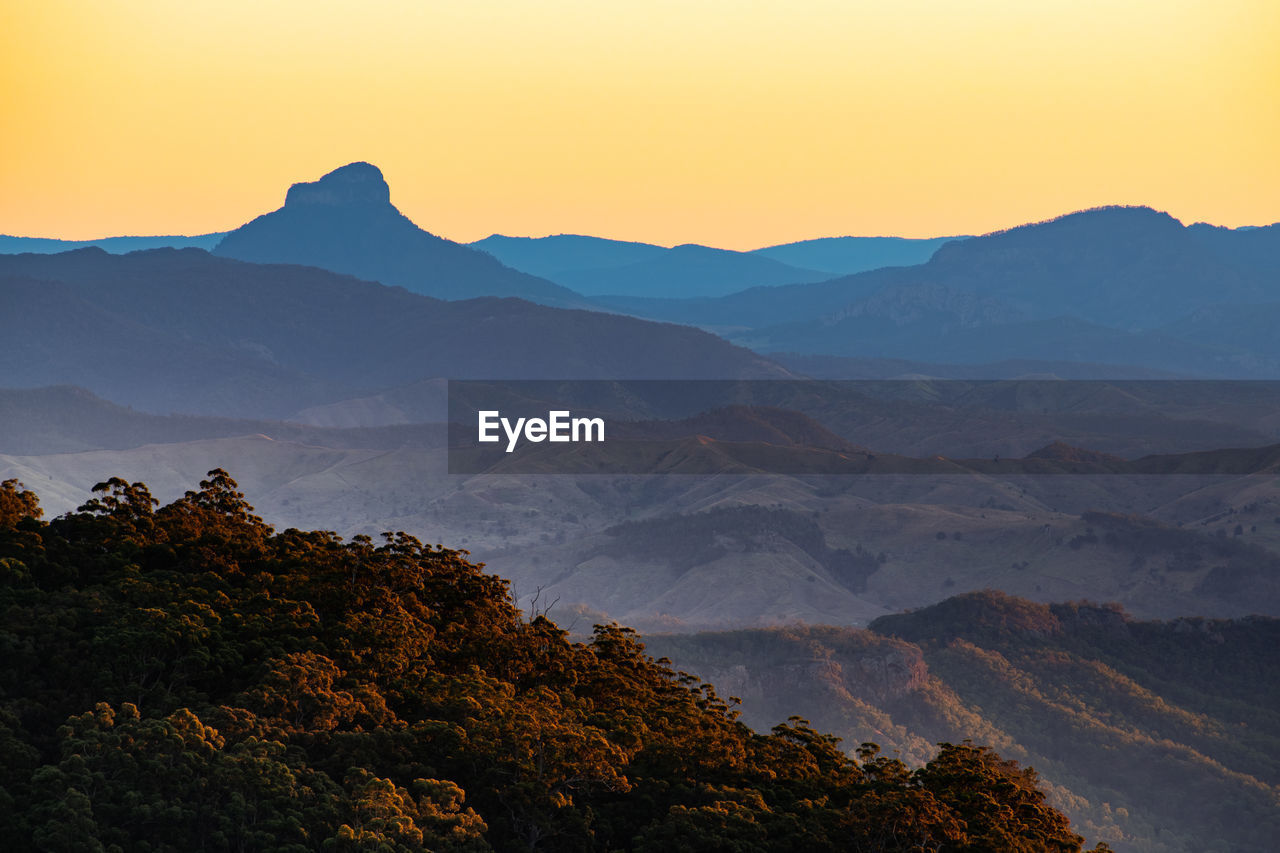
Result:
[
  {"x": 354, "y": 183},
  {"x": 345, "y": 222},
  {"x": 1113, "y": 219}
]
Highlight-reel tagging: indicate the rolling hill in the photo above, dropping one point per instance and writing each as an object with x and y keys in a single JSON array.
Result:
[
  {"x": 848, "y": 255},
  {"x": 549, "y": 256}
]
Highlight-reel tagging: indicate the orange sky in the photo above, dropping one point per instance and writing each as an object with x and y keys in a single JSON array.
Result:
[{"x": 735, "y": 124}]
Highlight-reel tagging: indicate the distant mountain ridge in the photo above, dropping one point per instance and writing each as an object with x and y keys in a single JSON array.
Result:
[
  {"x": 115, "y": 245},
  {"x": 596, "y": 267},
  {"x": 1128, "y": 267},
  {"x": 558, "y": 253},
  {"x": 689, "y": 270},
  {"x": 183, "y": 330},
  {"x": 1129, "y": 287},
  {"x": 1126, "y": 286},
  {"x": 848, "y": 255},
  {"x": 1257, "y": 248}
]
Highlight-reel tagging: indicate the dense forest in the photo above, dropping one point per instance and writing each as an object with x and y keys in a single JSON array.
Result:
[{"x": 186, "y": 678}]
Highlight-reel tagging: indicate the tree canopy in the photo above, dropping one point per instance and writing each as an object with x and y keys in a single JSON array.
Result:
[{"x": 187, "y": 678}]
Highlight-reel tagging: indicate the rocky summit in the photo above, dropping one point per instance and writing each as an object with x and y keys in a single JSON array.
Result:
[{"x": 352, "y": 184}]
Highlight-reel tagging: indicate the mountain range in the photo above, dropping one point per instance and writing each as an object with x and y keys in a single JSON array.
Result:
[
  {"x": 183, "y": 330},
  {"x": 1131, "y": 268},
  {"x": 594, "y": 265},
  {"x": 597, "y": 267},
  {"x": 1125, "y": 286},
  {"x": 116, "y": 245},
  {"x": 589, "y": 265},
  {"x": 1128, "y": 289}
]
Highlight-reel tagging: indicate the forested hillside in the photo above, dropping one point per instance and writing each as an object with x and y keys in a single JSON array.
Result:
[
  {"x": 1153, "y": 735},
  {"x": 186, "y": 678}
]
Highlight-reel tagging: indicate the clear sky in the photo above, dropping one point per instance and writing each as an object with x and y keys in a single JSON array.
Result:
[{"x": 735, "y": 124}]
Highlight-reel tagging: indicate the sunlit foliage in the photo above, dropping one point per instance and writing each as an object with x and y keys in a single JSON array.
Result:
[{"x": 187, "y": 678}]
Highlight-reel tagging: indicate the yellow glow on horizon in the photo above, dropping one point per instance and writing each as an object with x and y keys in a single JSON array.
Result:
[{"x": 733, "y": 124}]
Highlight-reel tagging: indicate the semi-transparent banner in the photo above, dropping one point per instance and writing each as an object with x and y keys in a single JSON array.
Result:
[{"x": 1000, "y": 428}]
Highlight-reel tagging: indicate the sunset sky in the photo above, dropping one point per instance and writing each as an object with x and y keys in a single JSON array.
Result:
[{"x": 736, "y": 124}]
